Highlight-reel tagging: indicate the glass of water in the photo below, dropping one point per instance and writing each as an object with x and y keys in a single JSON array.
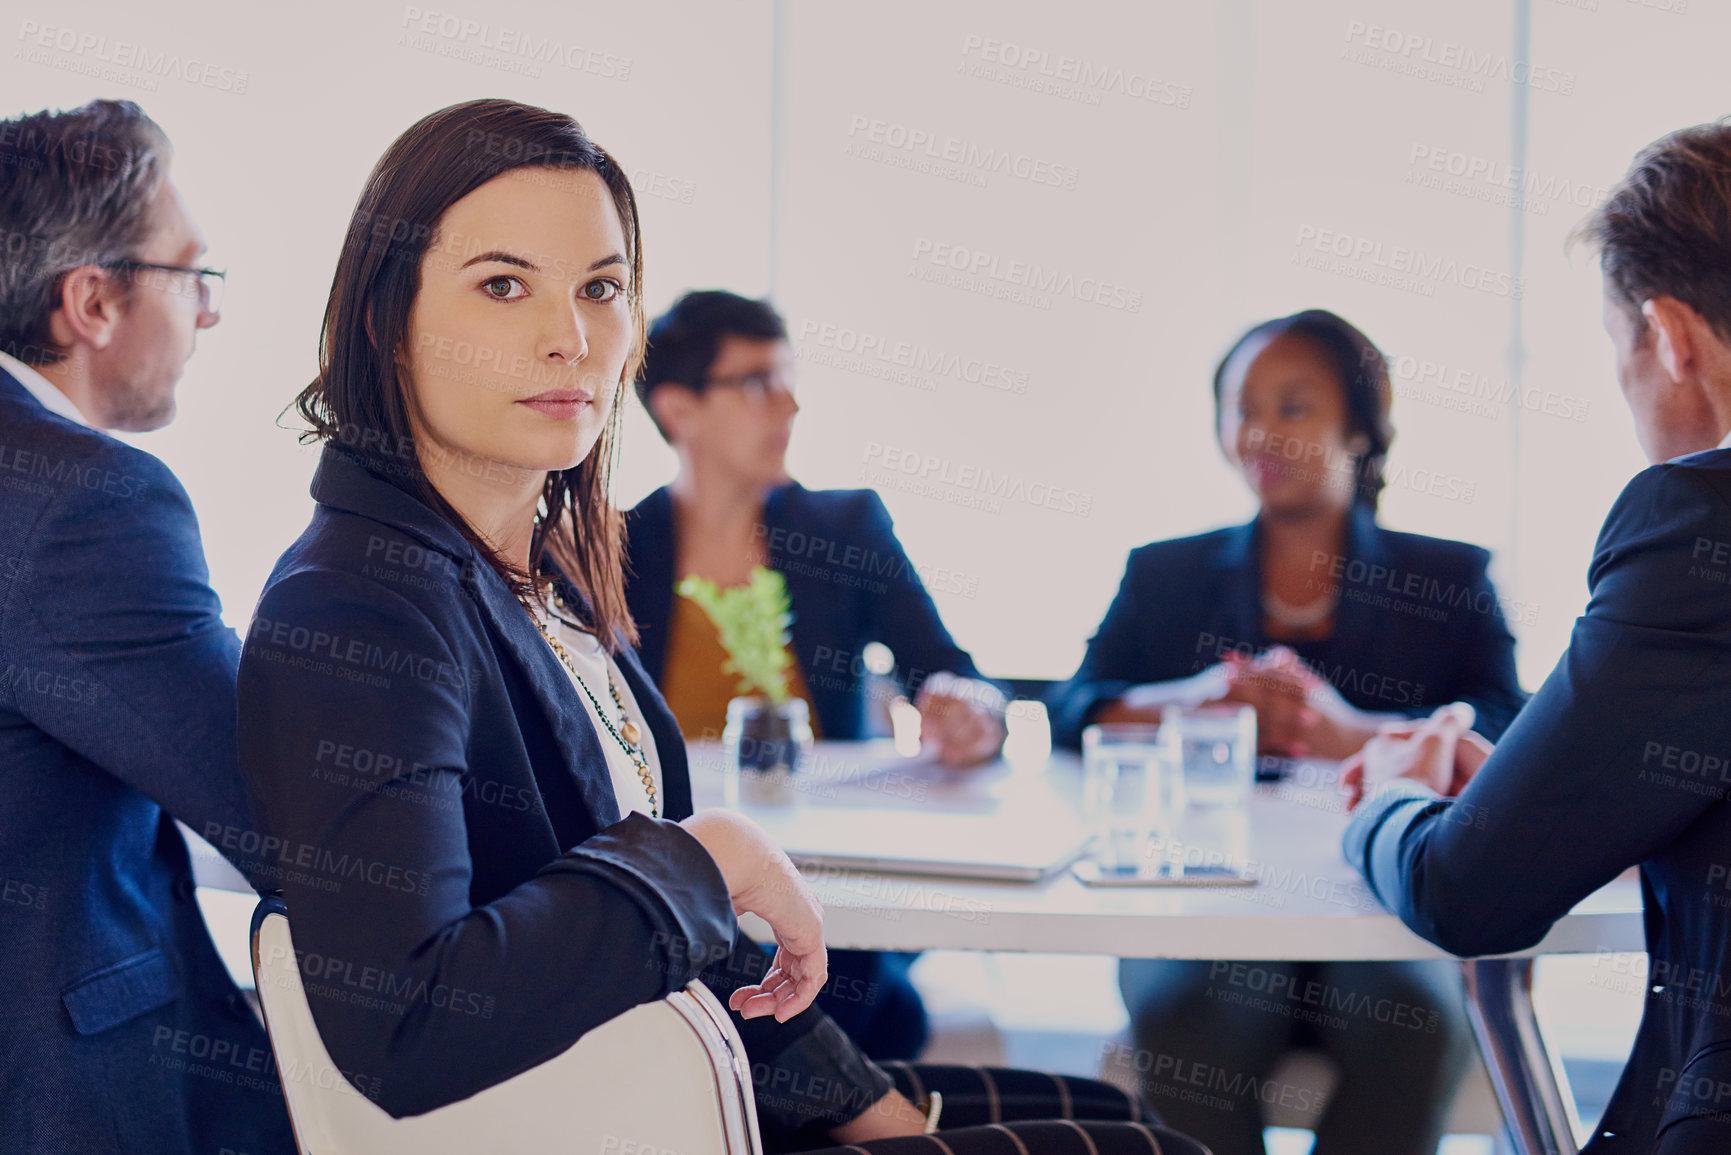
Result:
[
  {"x": 1217, "y": 748},
  {"x": 1133, "y": 795}
]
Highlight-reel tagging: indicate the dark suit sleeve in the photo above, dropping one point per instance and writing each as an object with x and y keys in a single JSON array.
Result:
[
  {"x": 1578, "y": 789},
  {"x": 113, "y": 616},
  {"x": 1485, "y": 661},
  {"x": 340, "y": 674},
  {"x": 903, "y": 616},
  {"x": 1116, "y": 659}
]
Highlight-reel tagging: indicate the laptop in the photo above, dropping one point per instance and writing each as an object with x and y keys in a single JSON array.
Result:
[{"x": 1001, "y": 847}]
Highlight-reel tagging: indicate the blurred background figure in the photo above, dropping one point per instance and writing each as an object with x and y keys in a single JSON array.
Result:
[
  {"x": 1328, "y": 625},
  {"x": 718, "y": 381}
]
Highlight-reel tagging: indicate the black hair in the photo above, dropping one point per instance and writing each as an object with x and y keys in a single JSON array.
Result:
[
  {"x": 684, "y": 341},
  {"x": 1362, "y": 371}
]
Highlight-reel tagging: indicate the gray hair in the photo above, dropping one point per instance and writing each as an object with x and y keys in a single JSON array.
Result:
[{"x": 75, "y": 190}]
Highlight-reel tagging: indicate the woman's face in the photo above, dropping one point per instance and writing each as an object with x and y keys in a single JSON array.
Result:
[
  {"x": 520, "y": 332},
  {"x": 1283, "y": 424}
]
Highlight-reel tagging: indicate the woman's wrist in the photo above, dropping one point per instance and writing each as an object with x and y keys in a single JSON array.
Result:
[{"x": 732, "y": 843}]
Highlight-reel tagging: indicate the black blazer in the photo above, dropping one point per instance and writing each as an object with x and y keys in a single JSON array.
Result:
[
  {"x": 1622, "y": 758},
  {"x": 849, "y": 583},
  {"x": 1418, "y": 624},
  {"x": 116, "y": 716},
  {"x": 466, "y": 899}
]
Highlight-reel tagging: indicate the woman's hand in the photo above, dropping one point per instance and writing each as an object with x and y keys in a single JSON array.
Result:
[
  {"x": 891, "y": 1117},
  {"x": 1440, "y": 752},
  {"x": 762, "y": 879},
  {"x": 962, "y": 717},
  {"x": 1278, "y": 685},
  {"x": 1341, "y": 729}
]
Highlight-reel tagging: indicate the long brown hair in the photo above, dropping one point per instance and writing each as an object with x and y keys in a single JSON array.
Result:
[{"x": 359, "y": 400}]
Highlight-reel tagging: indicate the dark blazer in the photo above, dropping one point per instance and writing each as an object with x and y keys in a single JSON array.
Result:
[
  {"x": 1621, "y": 759},
  {"x": 849, "y": 583},
  {"x": 466, "y": 899},
  {"x": 120, "y": 1030},
  {"x": 1418, "y": 624}
]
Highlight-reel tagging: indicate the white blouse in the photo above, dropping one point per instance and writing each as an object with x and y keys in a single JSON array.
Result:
[{"x": 593, "y": 666}]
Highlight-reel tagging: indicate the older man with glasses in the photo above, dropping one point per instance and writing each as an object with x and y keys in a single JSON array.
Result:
[{"x": 120, "y": 1030}]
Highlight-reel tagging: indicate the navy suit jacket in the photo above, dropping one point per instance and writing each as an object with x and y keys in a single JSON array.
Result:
[
  {"x": 120, "y": 1030},
  {"x": 1622, "y": 758},
  {"x": 849, "y": 583},
  {"x": 466, "y": 899},
  {"x": 1418, "y": 624}
]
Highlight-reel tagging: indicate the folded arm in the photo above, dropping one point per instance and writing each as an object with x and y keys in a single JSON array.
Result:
[{"x": 1577, "y": 790}]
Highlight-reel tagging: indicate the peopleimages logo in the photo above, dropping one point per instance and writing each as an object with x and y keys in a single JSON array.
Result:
[
  {"x": 985, "y": 160},
  {"x": 909, "y": 470},
  {"x": 977, "y": 267},
  {"x": 1484, "y": 178},
  {"x": 123, "y": 55},
  {"x": 1444, "y": 60},
  {"x": 1071, "y": 77},
  {"x": 865, "y": 347},
  {"x": 482, "y": 42},
  {"x": 1396, "y": 266}
]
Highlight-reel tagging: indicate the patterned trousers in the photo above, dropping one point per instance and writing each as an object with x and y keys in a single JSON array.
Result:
[{"x": 996, "y": 1111}]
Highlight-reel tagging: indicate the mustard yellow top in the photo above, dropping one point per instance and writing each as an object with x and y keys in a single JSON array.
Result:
[{"x": 692, "y": 681}]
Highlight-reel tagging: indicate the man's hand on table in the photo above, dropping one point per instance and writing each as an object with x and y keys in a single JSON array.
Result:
[{"x": 1440, "y": 752}]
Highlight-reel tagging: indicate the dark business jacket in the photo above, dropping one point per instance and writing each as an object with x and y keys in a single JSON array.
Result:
[
  {"x": 1622, "y": 758},
  {"x": 1418, "y": 624},
  {"x": 120, "y": 1030},
  {"x": 466, "y": 899},
  {"x": 849, "y": 583}
]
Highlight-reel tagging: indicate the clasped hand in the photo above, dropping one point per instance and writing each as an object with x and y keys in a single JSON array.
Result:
[
  {"x": 1441, "y": 752},
  {"x": 1299, "y": 714}
]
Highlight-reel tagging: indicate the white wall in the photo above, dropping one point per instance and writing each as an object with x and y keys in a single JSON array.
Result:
[
  {"x": 771, "y": 131},
  {"x": 678, "y": 92}
]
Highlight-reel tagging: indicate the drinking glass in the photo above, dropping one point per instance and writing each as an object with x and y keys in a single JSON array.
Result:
[
  {"x": 1217, "y": 749},
  {"x": 1133, "y": 794}
]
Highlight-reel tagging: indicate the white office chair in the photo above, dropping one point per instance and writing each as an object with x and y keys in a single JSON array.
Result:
[{"x": 665, "y": 1077}]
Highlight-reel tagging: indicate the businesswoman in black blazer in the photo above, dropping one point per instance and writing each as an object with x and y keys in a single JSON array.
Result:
[
  {"x": 480, "y": 802},
  {"x": 1328, "y": 624}
]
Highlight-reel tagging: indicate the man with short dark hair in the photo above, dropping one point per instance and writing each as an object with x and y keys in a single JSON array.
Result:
[
  {"x": 1623, "y": 757},
  {"x": 120, "y": 1029}
]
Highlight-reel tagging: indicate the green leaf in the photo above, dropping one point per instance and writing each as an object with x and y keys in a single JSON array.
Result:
[{"x": 752, "y": 621}]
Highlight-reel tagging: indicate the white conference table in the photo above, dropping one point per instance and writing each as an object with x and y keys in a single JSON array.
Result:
[{"x": 1308, "y": 904}]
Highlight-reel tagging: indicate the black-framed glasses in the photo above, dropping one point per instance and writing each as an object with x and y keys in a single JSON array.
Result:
[
  {"x": 757, "y": 385},
  {"x": 210, "y": 281}
]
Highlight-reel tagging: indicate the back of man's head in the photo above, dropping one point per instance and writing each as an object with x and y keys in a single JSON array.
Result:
[
  {"x": 684, "y": 341},
  {"x": 1665, "y": 230},
  {"x": 75, "y": 189}
]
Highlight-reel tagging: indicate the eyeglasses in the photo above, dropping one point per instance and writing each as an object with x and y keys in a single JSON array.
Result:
[
  {"x": 757, "y": 386},
  {"x": 210, "y": 281}
]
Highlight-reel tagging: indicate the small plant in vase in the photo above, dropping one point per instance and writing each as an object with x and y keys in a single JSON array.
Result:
[{"x": 768, "y": 730}]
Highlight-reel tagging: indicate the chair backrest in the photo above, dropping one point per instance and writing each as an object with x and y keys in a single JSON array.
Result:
[{"x": 664, "y": 1078}]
